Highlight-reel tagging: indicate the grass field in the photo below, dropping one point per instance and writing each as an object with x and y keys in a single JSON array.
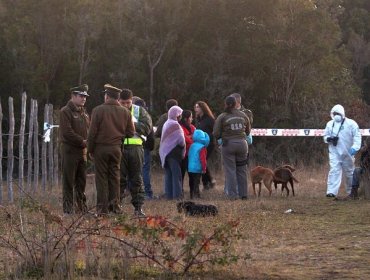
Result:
[{"x": 319, "y": 239}]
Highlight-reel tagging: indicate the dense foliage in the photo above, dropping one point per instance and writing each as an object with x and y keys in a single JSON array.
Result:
[{"x": 291, "y": 60}]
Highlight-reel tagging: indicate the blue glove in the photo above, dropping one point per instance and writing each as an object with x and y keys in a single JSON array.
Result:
[
  {"x": 249, "y": 139},
  {"x": 352, "y": 151},
  {"x": 219, "y": 141}
]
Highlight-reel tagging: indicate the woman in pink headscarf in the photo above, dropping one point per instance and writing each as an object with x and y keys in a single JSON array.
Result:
[{"x": 171, "y": 152}]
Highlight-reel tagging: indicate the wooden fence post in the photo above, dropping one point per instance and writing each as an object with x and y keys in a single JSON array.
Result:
[
  {"x": 10, "y": 151},
  {"x": 21, "y": 144},
  {"x": 1, "y": 154},
  {"x": 36, "y": 149},
  {"x": 29, "y": 146},
  {"x": 44, "y": 175},
  {"x": 50, "y": 150},
  {"x": 56, "y": 155}
]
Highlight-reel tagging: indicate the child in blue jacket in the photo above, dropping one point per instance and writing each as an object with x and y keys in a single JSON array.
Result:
[{"x": 197, "y": 164}]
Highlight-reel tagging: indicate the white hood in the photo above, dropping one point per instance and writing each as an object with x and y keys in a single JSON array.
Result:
[{"x": 337, "y": 109}]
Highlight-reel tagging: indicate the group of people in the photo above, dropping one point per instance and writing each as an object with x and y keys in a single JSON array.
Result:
[
  {"x": 114, "y": 139},
  {"x": 119, "y": 139},
  {"x": 185, "y": 147}
]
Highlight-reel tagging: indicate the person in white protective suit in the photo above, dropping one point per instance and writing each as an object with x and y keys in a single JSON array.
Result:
[{"x": 344, "y": 140}]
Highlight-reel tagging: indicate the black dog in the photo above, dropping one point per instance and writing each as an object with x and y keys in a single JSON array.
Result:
[{"x": 192, "y": 209}]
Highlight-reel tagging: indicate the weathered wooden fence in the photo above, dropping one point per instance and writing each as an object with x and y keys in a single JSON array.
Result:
[{"x": 49, "y": 152}]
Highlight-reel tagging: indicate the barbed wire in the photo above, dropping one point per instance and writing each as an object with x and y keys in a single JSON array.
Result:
[{"x": 7, "y": 134}]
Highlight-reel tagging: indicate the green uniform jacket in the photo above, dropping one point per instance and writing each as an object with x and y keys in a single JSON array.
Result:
[
  {"x": 232, "y": 126},
  {"x": 110, "y": 124},
  {"x": 74, "y": 125}
]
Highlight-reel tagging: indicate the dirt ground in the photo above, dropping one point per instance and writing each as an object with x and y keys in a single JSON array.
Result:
[{"x": 318, "y": 238}]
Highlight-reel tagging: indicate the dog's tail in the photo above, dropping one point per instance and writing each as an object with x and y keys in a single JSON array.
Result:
[{"x": 294, "y": 179}]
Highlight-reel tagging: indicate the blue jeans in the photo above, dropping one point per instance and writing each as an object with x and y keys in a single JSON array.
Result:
[
  {"x": 172, "y": 178},
  {"x": 146, "y": 174}
]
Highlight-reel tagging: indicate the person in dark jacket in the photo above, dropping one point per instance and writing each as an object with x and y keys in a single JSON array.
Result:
[
  {"x": 163, "y": 118},
  {"x": 205, "y": 121},
  {"x": 133, "y": 152},
  {"x": 110, "y": 124},
  {"x": 188, "y": 128},
  {"x": 73, "y": 129},
  {"x": 232, "y": 126}
]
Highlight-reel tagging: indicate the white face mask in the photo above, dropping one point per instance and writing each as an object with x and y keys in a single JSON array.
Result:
[{"x": 337, "y": 118}]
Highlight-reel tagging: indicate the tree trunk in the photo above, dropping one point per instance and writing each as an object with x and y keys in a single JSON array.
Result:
[
  {"x": 10, "y": 151},
  {"x": 21, "y": 143}
]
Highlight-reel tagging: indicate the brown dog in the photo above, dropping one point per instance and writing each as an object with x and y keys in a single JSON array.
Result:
[
  {"x": 283, "y": 175},
  {"x": 259, "y": 174}
]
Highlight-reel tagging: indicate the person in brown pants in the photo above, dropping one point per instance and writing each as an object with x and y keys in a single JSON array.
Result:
[
  {"x": 74, "y": 125},
  {"x": 110, "y": 124}
]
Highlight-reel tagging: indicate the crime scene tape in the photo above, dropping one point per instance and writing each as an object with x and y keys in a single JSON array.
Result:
[{"x": 295, "y": 132}]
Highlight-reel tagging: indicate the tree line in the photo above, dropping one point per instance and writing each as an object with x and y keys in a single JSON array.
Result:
[{"x": 291, "y": 60}]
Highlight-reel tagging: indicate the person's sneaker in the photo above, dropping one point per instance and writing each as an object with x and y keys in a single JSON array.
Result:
[
  {"x": 139, "y": 213},
  {"x": 244, "y": 198},
  {"x": 330, "y": 195}
]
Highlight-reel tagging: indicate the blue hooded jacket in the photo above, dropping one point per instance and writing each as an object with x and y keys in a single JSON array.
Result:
[{"x": 201, "y": 140}]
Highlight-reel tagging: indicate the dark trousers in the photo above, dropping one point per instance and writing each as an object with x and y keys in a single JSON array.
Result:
[
  {"x": 131, "y": 174},
  {"x": 73, "y": 179},
  {"x": 107, "y": 176},
  {"x": 194, "y": 182}
]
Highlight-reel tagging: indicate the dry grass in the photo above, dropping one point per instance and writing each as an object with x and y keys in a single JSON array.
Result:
[{"x": 320, "y": 239}]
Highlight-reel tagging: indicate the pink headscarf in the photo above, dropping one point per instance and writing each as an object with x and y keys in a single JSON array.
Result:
[{"x": 172, "y": 134}]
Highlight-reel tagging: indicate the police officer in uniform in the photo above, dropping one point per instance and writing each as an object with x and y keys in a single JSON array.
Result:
[
  {"x": 133, "y": 152},
  {"x": 73, "y": 129},
  {"x": 110, "y": 124},
  {"x": 232, "y": 126}
]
